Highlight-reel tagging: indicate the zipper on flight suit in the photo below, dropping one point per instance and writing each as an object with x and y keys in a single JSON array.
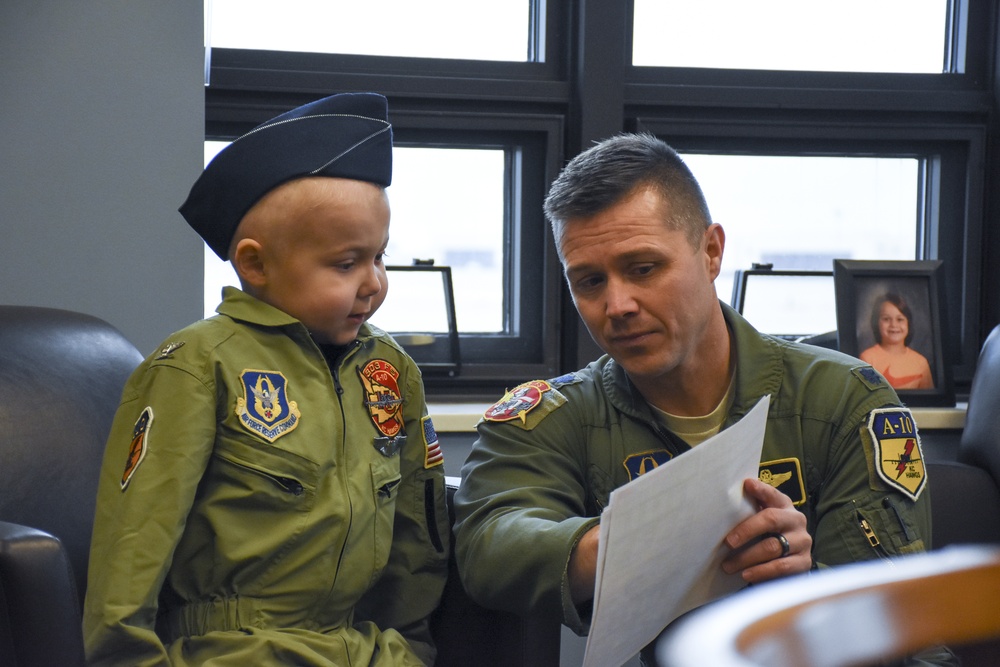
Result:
[
  {"x": 873, "y": 541},
  {"x": 288, "y": 484}
]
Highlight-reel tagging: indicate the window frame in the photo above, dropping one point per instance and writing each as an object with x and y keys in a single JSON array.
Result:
[{"x": 584, "y": 88}]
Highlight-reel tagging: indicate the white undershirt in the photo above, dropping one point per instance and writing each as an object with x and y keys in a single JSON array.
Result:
[{"x": 694, "y": 430}]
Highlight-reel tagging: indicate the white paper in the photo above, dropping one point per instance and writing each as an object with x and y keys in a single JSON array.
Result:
[{"x": 661, "y": 540}]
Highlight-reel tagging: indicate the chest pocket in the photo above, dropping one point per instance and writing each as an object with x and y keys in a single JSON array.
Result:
[
  {"x": 386, "y": 480},
  {"x": 260, "y": 478}
]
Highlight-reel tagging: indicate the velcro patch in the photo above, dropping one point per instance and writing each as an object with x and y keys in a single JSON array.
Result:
[
  {"x": 517, "y": 402},
  {"x": 563, "y": 380},
  {"x": 869, "y": 376},
  {"x": 265, "y": 408},
  {"x": 137, "y": 449},
  {"x": 786, "y": 476},
  {"x": 640, "y": 464},
  {"x": 433, "y": 455},
  {"x": 899, "y": 461},
  {"x": 383, "y": 399}
]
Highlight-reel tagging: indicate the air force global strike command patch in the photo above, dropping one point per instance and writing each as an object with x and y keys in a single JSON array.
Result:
[
  {"x": 898, "y": 459},
  {"x": 265, "y": 408},
  {"x": 516, "y": 403}
]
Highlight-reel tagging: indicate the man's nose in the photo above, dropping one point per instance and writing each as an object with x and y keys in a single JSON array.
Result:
[{"x": 620, "y": 301}]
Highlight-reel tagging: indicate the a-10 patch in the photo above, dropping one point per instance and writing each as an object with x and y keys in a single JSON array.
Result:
[{"x": 899, "y": 460}]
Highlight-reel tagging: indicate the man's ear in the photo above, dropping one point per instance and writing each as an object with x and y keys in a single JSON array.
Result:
[
  {"x": 248, "y": 261},
  {"x": 715, "y": 245}
]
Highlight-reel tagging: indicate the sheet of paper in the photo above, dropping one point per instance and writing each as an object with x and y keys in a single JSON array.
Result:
[{"x": 661, "y": 541}]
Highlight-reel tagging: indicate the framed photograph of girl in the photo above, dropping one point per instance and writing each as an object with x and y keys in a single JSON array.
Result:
[{"x": 889, "y": 315}]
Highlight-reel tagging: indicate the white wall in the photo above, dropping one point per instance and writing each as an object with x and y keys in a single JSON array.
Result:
[{"x": 101, "y": 128}]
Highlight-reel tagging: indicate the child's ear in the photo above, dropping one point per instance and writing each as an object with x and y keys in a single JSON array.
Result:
[{"x": 249, "y": 263}]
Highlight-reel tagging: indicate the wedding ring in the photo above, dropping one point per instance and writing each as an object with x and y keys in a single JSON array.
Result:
[{"x": 783, "y": 541}]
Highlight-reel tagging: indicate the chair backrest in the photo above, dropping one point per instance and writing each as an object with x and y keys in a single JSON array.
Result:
[
  {"x": 858, "y": 614},
  {"x": 980, "y": 442},
  {"x": 61, "y": 378}
]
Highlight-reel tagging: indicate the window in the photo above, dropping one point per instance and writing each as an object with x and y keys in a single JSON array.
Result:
[
  {"x": 896, "y": 146},
  {"x": 438, "y": 195},
  {"x": 802, "y": 212},
  {"x": 426, "y": 29},
  {"x": 843, "y": 36}
]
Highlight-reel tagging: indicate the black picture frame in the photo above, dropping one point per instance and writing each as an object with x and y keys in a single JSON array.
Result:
[{"x": 862, "y": 287}]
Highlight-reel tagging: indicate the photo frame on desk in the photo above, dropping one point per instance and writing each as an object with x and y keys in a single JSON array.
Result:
[{"x": 889, "y": 314}]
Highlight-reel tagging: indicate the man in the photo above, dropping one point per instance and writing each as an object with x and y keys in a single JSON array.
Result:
[{"x": 841, "y": 476}]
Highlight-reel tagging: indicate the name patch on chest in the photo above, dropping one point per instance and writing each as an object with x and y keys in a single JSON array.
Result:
[
  {"x": 899, "y": 460},
  {"x": 264, "y": 408}
]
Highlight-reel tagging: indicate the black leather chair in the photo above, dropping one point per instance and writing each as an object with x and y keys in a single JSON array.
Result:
[
  {"x": 980, "y": 443},
  {"x": 61, "y": 378},
  {"x": 966, "y": 492}
]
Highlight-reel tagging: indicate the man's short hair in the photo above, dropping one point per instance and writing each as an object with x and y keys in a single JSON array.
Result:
[{"x": 606, "y": 173}]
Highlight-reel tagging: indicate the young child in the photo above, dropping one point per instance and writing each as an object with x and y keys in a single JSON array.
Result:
[{"x": 272, "y": 490}]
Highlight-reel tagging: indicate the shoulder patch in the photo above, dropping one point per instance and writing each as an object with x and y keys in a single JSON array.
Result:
[
  {"x": 432, "y": 449},
  {"x": 264, "y": 408},
  {"x": 898, "y": 458},
  {"x": 137, "y": 449},
  {"x": 517, "y": 402},
  {"x": 786, "y": 476},
  {"x": 870, "y": 377},
  {"x": 640, "y": 464}
]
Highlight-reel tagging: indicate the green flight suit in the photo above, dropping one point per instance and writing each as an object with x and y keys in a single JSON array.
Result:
[
  {"x": 257, "y": 508},
  {"x": 549, "y": 454}
]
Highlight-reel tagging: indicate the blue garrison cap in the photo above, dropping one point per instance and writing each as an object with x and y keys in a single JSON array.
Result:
[{"x": 341, "y": 136}]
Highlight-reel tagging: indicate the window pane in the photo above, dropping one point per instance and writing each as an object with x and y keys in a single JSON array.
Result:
[
  {"x": 842, "y": 36},
  {"x": 447, "y": 205},
  {"x": 427, "y": 29},
  {"x": 799, "y": 212}
]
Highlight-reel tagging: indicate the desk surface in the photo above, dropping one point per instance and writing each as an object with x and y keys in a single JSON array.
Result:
[{"x": 463, "y": 417}]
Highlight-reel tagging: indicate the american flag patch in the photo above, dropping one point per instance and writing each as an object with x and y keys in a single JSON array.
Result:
[{"x": 433, "y": 455}]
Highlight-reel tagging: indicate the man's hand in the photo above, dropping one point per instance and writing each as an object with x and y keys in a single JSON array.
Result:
[
  {"x": 582, "y": 572},
  {"x": 757, "y": 551}
]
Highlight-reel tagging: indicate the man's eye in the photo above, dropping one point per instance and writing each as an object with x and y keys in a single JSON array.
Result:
[{"x": 588, "y": 283}]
